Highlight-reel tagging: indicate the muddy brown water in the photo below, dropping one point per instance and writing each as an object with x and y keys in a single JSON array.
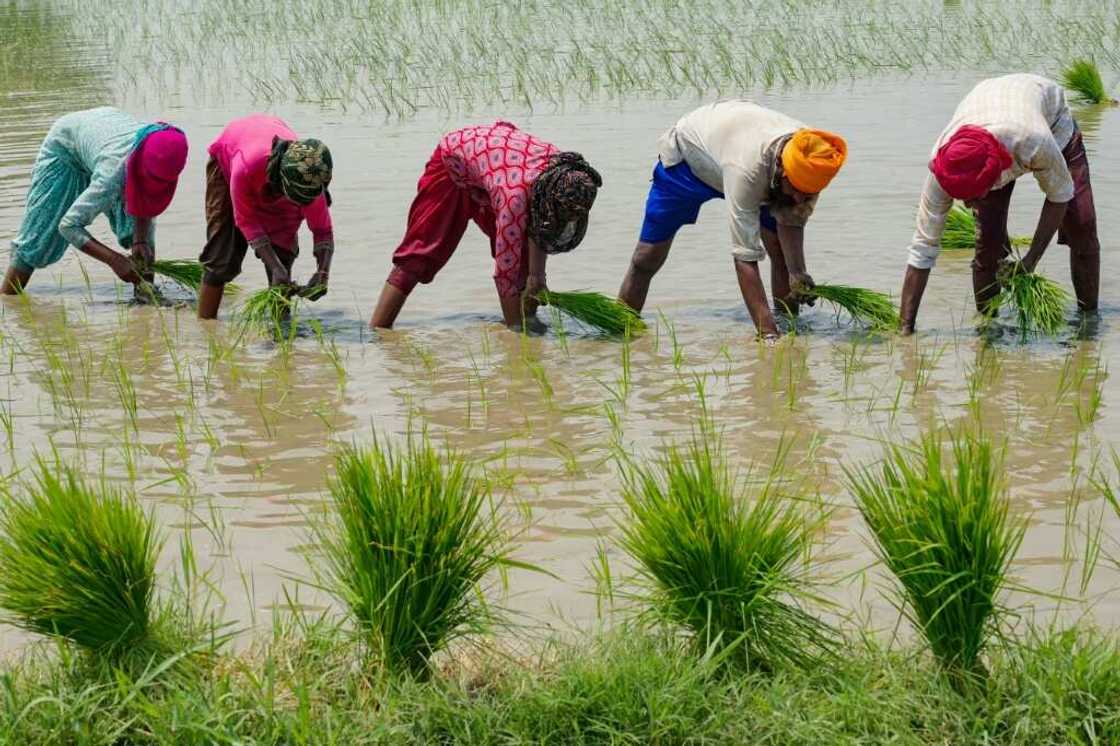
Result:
[{"x": 236, "y": 448}]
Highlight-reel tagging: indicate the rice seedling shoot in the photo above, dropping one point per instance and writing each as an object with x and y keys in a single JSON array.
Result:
[{"x": 595, "y": 311}]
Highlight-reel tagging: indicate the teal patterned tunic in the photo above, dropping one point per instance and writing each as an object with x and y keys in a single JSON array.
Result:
[{"x": 79, "y": 174}]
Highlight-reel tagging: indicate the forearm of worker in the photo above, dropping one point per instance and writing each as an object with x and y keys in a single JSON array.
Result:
[
  {"x": 538, "y": 261},
  {"x": 754, "y": 295},
  {"x": 792, "y": 239},
  {"x": 1048, "y": 223},
  {"x": 262, "y": 247},
  {"x": 933, "y": 209}
]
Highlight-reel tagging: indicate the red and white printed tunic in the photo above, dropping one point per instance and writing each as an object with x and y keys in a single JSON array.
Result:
[{"x": 497, "y": 164}]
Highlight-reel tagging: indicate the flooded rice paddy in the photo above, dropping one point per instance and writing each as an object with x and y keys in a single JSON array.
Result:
[{"x": 232, "y": 441}]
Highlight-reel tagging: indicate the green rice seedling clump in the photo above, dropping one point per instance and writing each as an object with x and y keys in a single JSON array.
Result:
[
  {"x": 78, "y": 562},
  {"x": 185, "y": 272},
  {"x": 1084, "y": 78},
  {"x": 411, "y": 540},
  {"x": 875, "y": 309},
  {"x": 595, "y": 310},
  {"x": 1039, "y": 303},
  {"x": 266, "y": 311},
  {"x": 943, "y": 527},
  {"x": 960, "y": 231},
  {"x": 727, "y": 565}
]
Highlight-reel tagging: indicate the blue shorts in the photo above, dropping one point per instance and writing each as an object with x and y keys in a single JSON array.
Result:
[{"x": 675, "y": 196}]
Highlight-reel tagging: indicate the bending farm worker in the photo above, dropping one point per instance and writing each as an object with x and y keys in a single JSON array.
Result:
[
  {"x": 1004, "y": 128},
  {"x": 99, "y": 161},
  {"x": 529, "y": 198},
  {"x": 261, "y": 184},
  {"x": 769, "y": 169}
]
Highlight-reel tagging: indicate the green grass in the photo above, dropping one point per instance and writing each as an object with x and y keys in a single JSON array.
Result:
[
  {"x": 1039, "y": 304},
  {"x": 299, "y": 686},
  {"x": 960, "y": 231},
  {"x": 942, "y": 525},
  {"x": 408, "y": 548},
  {"x": 1083, "y": 78},
  {"x": 78, "y": 562},
  {"x": 595, "y": 311},
  {"x": 870, "y": 307},
  {"x": 721, "y": 560}
]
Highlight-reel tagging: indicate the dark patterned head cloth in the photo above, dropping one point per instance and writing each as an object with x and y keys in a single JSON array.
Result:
[
  {"x": 300, "y": 169},
  {"x": 562, "y": 198}
]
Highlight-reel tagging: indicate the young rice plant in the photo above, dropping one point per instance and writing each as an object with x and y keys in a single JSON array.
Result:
[
  {"x": 595, "y": 311},
  {"x": 1083, "y": 78},
  {"x": 864, "y": 306},
  {"x": 1038, "y": 302},
  {"x": 960, "y": 231},
  {"x": 943, "y": 527},
  {"x": 727, "y": 565},
  {"x": 79, "y": 563},
  {"x": 412, "y": 537}
]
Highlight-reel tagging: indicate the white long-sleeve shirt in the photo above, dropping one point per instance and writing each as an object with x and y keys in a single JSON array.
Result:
[
  {"x": 1028, "y": 114},
  {"x": 734, "y": 147}
]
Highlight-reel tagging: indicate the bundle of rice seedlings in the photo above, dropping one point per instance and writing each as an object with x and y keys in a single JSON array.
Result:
[
  {"x": 942, "y": 527},
  {"x": 724, "y": 562},
  {"x": 266, "y": 311},
  {"x": 412, "y": 537},
  {"x": 184, "y": 272},
  {"x": 875, "y": 309},
  {"x": 960, "y": 231},
  {"x": 78, "y": 563},
  {"x": 1083, "y": 78},
  {"x": 595, "y": 311},
  {"x": 1039, "y": 303}
]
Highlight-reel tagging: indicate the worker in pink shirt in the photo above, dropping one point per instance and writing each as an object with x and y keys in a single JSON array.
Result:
[{"x": 261, "y": 184}]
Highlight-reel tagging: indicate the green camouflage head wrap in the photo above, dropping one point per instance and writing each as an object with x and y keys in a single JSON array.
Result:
[{"x": 301, "y": 169}]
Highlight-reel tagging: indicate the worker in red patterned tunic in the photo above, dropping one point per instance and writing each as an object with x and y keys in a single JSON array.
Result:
[{"x": 529, "y": 198}]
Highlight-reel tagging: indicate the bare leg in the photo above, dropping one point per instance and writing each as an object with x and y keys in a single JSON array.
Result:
[
  {"x": 647, "y": 260},
  {"x": 389, "y": 305},
  {"x": 209, "y": 300},
  {"x": 779, "y": 275},
  {"x": 15, "y": 281}
]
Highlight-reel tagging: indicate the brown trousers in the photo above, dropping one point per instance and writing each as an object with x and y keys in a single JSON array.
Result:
[
  {"x": 1078, "y": 231},
  {"x": 225, "y": 243}
]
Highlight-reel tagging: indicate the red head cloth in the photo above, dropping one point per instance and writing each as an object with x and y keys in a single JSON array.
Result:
[
  {"x": 969, "y": 163},
  {"x": 152, "y": 171}
]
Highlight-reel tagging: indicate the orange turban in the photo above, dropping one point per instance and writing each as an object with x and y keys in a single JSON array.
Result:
[{"x": 811, "y": 158}]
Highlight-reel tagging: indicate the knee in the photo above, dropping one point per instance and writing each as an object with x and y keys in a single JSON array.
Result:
[{"x": 648, "y": 258}]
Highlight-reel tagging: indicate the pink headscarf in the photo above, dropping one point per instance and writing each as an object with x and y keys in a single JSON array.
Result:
[
  {"x": 152, "y": 170},
  {"x": 969, "y": 163}
]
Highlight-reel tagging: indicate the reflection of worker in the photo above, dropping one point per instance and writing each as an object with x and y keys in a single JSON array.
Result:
[
  {"x": 769, "y": 168},
  {"x": 530, "y": 200},
  {"x": 1002, "y": 129},
  {"x": 261, "y": 184},
  {"x": 99, "y": 161}
]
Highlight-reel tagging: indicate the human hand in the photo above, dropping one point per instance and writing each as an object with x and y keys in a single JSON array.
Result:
[
  {"x": 801, "y": 288},
  {"x": 280, "y": 276},
  {"x": 316, "y": 288},
  {"x": 1008, "y": 268},
  {"x": 534, "y": 286},
  {"x": 143, "y": 257},
  {"x": 123, "y": 268}
]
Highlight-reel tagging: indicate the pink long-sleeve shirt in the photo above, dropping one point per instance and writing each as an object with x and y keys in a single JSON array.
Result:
[
  {"x": 242, "y": 152},
  {"x": 498, "y": 163}
]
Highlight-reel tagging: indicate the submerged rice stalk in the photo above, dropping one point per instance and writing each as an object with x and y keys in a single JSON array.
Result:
[
  {"x": 79, "y": 563},
  {"x": 867, "y": 306},
  {"x": 1039, "y": 303},
  {"x": 595, "y": 310},
  {"x": 1083, "y": 78},
  {"x": 412, "y": 537},
  {"x": 943, "y": 528},
  {"x": 726, "y": 563}
]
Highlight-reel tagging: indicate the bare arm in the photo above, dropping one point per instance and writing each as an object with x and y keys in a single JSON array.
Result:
[
  {"x": 792, "y": 240},
  {"x": 913, "y": 286},
  {"x": 1048, "y": 223},
  {"x": 142, "y": 253},
  {"x": 116, "y": 261},
  {"x": 754, "y": 295}
]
